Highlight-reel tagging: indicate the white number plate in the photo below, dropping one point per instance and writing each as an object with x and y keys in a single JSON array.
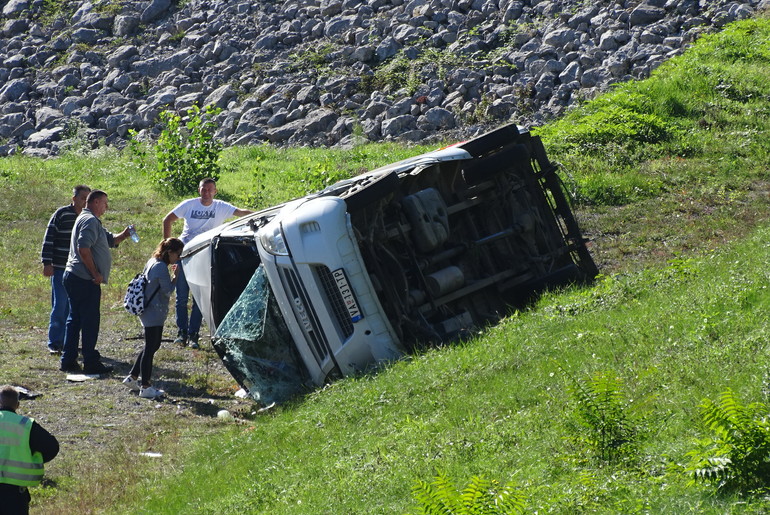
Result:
[{"x": 347, "y": 295}]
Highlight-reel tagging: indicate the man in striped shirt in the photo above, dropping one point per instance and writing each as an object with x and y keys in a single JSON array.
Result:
[{"x": 56, "y": 249}]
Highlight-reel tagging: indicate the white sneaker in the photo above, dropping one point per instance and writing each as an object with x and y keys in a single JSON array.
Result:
[
  {"x": 151, "y": 393},
  {"x": 131, "y": 383}
]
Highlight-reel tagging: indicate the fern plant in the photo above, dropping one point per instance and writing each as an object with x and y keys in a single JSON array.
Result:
[
  {"x": 480, "y": 497},
  {"x": 602, "y": 411},
  {"x": 737, "y": 457}
]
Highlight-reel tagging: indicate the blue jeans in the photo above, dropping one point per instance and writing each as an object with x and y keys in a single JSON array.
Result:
[
  {"x": 85, "y": 300},
  {"x": 60, "y": 309},
  {"x": 182, "y": 294}
]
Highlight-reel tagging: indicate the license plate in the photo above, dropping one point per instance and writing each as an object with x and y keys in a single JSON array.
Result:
[{"x": 347, "y": 295}]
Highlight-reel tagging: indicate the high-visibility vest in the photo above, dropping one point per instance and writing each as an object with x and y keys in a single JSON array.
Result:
[{"x": 18, "y": 464}]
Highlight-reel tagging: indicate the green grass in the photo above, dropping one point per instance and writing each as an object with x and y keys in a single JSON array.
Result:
[
  {"x": 677, "y": 205},
  {"x": 264, "y": 175}
]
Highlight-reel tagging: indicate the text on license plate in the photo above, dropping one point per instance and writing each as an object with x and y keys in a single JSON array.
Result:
[{"x": 347, "y": 295}]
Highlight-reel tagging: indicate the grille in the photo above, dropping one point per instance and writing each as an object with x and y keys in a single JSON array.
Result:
[
  {"x": 315, "y": 336},
  {"x": 341, "y": 314}
]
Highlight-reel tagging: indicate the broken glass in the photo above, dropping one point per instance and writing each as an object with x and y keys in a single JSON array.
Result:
[{"x": 256, "y": 347}]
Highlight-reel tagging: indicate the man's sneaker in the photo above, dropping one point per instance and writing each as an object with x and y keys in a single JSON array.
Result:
[
  {"x": 97, "y": 368},
  {"x": 73, "y": 368},
  {"x": 151, "y": 392},
  {"x": 194, "y": 340},
  {"x": 181, "y": 339},
  {"x": 131, "y": 383},
  {"x": 54, "y": 349}
]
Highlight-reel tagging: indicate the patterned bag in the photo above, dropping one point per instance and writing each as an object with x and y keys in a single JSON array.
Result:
[{"x": 134, "y": 300}]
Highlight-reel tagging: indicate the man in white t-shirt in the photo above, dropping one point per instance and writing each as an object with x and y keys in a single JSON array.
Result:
[{"x": 200, "y": 214}]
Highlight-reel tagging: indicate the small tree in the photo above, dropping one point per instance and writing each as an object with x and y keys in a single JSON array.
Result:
[{"x": 186, "y": 151}]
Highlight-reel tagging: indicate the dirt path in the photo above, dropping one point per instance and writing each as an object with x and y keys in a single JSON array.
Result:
[{"x": 91, "y": 417}]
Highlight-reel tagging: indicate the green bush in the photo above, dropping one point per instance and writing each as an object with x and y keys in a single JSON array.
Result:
[
  {"x": 52, "y": 9},
  {"x": 619, "y": 125},
  {"x": 314, "y": 58},
  {"x": 186, "y": 151},
  {"x": 605, "y": 188},
  {"x": 737, "y": 458},
  {"x": 402, "y": 71}
]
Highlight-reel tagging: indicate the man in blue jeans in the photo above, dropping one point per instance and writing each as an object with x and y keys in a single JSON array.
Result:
[
  {"x": 56, "y": 249},
  {"x": 200, "y": 214},
  {"x": 88, "y": 267}
]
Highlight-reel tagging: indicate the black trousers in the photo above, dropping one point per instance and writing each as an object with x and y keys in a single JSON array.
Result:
[
  {"x": 15, "y": 500},
  {"x": 143, "y": 364}
]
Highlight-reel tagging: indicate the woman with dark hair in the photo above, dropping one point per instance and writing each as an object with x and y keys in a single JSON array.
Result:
[{"x": 158, "y": 290}]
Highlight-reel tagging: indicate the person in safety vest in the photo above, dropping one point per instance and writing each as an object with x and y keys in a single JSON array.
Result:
[{"x": 24, "y": 447}]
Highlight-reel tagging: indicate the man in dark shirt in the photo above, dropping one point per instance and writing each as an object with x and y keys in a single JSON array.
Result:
[
  {"x": 56, "y": 248},
  {"x": 24, "y": 447}
]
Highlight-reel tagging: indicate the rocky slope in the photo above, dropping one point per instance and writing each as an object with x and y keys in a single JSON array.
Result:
[{"x": 321, "y": 72}]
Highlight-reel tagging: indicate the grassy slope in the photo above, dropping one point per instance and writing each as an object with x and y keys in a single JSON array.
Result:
[{"x": 497, "y": 406}]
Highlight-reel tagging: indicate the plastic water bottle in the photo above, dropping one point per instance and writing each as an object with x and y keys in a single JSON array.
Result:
[{"x": 133, "y": 234}]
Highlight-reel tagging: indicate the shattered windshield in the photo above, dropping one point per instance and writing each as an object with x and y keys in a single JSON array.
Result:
[{"x": 256, "y": 346}]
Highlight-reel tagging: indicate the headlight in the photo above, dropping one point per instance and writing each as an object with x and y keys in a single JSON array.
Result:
[{"x": 271, "y": 239}]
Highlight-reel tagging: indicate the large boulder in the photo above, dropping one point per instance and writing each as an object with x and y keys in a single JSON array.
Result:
[
  {"x": 14, "y": 90},
  {"x": 45, "y": 137},
  {"x": 645, "y": 14},
  {"x": 14, "y": 8},
  {"x": 155, "y": 10}
]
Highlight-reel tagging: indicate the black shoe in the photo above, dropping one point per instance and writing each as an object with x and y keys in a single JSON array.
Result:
[
  {"x": 97, "y": 368},
  {"x": 70, "y": 367}
]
